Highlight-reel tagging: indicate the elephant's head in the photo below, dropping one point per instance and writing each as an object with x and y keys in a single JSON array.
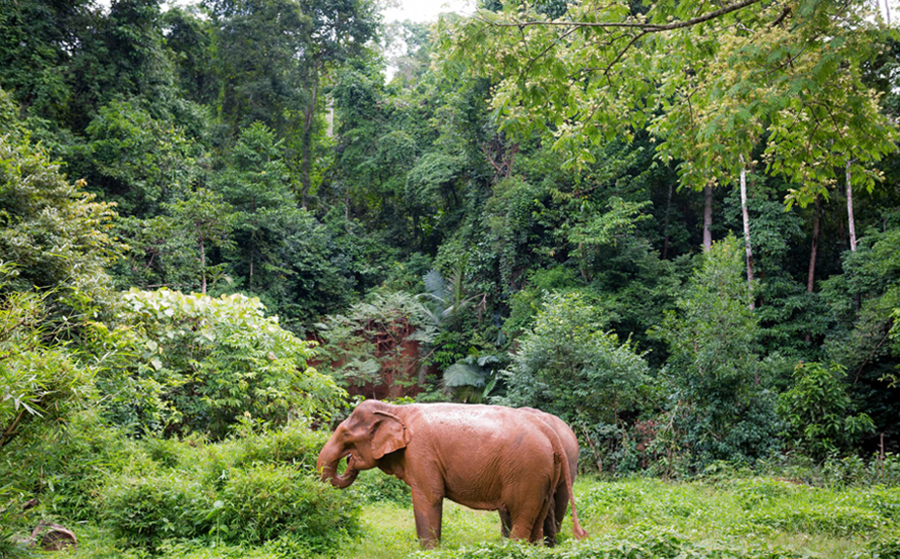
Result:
[{"x": 372, "y": 430}]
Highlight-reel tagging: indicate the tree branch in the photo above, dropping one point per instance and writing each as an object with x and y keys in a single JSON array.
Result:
[{"x": 645, "y": 27}]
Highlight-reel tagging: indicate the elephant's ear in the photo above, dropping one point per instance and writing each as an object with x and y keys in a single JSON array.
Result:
[{"x": 390, "y": 435}]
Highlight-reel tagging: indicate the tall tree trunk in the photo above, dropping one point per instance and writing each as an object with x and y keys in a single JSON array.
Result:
[
  {"x": 811, "y": 276},
  {"x": 851, "y": 222},
  {"x": 665, "y": 251},
  {"x": 202, "y": 266},
  {"x": 308, "y": 120},
  {"x": 746, "y": 216},
  {"x": 707, "y": 217},
  {"x": 347, "y": 204}
]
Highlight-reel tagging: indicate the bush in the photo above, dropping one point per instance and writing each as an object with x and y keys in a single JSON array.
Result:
[
  {"x": 40, "y": 384},
  {"x": 268, "y": 501},
  {"x": 720, "y": 407},
  {"x": 201, "y": 363},
  {"x": 376, "y": 487},
  {"x": 63, "y": 466},
  {"x": 295, "y": 444},
  {"x": 818, "y": 410},
  {"x": 144, "y": 510},
  {"x": 56, "y": 233},
  {"x": 569, "y": 366},
  {"x": 252, "y": 490}
]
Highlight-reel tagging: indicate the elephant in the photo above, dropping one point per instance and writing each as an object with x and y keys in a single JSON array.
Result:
[
  {"x": 560, "y": 500},
  {"x": 483, "y": 457}
]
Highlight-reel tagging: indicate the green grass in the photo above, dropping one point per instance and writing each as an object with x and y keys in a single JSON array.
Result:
[
  {"x": 389, "y": 530},
  {"x": 756, "y": 518},
  {"x": 747, "y": 517}
]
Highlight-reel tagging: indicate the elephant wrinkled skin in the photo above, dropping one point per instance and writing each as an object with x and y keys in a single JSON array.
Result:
[
  {"x": 560, "y": 499},
  {"x": 483, "y": 457}
]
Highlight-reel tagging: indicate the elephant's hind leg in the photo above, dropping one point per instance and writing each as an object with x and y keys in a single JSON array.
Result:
[
  {"x": 528, "y": 522},
  {"x": 551, "y": 523}
]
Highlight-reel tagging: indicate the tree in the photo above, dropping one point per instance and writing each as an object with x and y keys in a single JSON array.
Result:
[
  {"x": 831, "y": 131},
  {"x": 278, "y": 54},
  {"x": 256, "y": 184},
  {"x": 57, "y": 235},
  {"x": 719, "y": 404},
  {"x": 569, "y": 366},
  {"x": 138, "y": 161},
  {"x": 713, "y": 80},
  {"x": 37, "y": 42},
  {"x": 206, "y": 219}
]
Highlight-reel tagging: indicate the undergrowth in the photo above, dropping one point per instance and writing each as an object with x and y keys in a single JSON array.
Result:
[
  {"x": 235, "y": 500},
  {"x": 733, "y": 518}
]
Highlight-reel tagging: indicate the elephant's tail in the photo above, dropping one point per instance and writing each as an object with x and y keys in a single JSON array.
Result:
[{"x": 579, "y": 532}]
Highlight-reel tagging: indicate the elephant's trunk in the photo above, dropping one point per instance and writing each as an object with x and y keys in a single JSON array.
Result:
[
  {"x": 344, "y": 481},
  {"x": 327, "y": 464}
]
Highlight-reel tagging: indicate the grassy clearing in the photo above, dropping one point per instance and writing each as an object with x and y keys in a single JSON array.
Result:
[
  {"x": 757, "y": 518},
  {"x": 760, "y": 517}
]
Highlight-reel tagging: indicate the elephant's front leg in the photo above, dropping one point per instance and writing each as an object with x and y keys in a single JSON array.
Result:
[{"x": 428, "y": 511}]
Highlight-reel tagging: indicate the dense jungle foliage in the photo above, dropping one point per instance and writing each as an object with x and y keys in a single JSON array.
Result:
[{"x": 675, "y": 225}]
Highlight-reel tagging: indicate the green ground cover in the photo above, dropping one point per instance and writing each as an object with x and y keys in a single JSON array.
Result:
[
  {"x": 648, "y": 518},
  {"x": 745, "y": 518}
]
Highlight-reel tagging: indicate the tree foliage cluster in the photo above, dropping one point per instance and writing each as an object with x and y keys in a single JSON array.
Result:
[{"x": 675, "y": 225}]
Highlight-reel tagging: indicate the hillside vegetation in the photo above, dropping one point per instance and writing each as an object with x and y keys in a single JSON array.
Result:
[{"x": 675, "y": 225}]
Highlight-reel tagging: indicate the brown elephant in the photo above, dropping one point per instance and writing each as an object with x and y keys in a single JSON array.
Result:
[
  {"x": 560, "y": 499},
  {"x": 483, "y": 457}
]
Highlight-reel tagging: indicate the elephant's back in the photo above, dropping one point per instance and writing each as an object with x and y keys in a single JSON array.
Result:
[
  {"x": 477, "y": 421},
  {"x": 481, "y": 449}
]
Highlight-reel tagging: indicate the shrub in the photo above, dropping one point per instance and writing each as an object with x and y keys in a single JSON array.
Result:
[
  {"x": 40, "y": 384},
  {"x": 294, "y": 444},
  {"x": 213, "y": 360},
  {"x": 569, "y": 366},
  {"x": 144, "y": 510},
  {"x": 818, "y": 410},
  {"x": 268, "y": 501},
  {"x": 55, "y": 232},
  {"x": 375, "y": 487},
  {"x": 720, "y": 407},
  {"x": 251, "y": 490},
  {"x": 63, "y": 466}
]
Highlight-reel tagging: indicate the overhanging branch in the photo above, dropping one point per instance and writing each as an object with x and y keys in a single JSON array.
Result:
[{"x": 645, "y": 27}]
